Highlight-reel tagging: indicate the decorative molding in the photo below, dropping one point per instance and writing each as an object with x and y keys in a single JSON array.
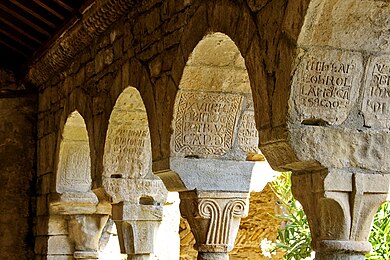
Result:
[
  {"x": 94, "y": 22},
  {"x": 220, "y": 221},
  {"x": 214, "y": 218}
]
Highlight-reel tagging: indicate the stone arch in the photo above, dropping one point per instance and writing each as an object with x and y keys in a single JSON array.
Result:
[
  {"x": 237, "y": 23},
  {"x": 74, "y": 160},
  {"x": 131, "y": 73},
  {"x": 335, "y": 119},
  {"x": 214, "y": 143},
  {"x": 269, "y": 60},
  {"x": 137, "y": 196},
  {"x": 215, "y": 80},
  {"x": 127, "y": 153},
  {"x": 74, "y": 202}
]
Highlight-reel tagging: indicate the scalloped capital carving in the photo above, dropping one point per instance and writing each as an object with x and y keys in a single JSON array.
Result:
[{"x": 214, "y": 218}]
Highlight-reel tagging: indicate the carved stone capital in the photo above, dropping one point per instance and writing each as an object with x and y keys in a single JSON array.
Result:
[
  {"x": 85, "y": 231},
  {"x": 137, "y": 225},
  {"x": 340, "y": 206},
  {"x": 214, "y": 218},
  {"x": 137, "y": 214}
]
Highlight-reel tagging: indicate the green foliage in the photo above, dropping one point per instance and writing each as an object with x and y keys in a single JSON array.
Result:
[
  {"x": 380, "y": 234},
  {"x": 294, "y": 236}
]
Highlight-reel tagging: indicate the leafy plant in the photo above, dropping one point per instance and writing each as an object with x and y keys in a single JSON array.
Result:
[
  {"x": 380, "y": 234},
  {"x": 294, "y": 236}
]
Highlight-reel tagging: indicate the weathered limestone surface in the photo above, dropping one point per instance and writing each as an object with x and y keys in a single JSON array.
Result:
[
  {"x": 148, "y": 48},
  {"x": 17, "y": 173},
  {"x": 339, "y": 103},
  {"x": 137, "y": 195},
  {"x": 376, "y": 97},
  {"x": 338, "y": 122},
  {"x": 74, "y": 159},
  {"x": 327, "y": 85},
  {"x": 349, "y": 25}
]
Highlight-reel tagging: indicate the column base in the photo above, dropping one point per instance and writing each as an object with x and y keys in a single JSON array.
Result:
[
  {"x": 342, "y": 250},
  {"x": 212, "y": 256},
  {"x": 338, "y": 256},
  {"x": 86, "y": 255},
  {"x": 140, "y": 257}
]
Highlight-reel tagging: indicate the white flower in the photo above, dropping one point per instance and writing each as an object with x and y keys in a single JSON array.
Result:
[{"x": 267, "y": 247}]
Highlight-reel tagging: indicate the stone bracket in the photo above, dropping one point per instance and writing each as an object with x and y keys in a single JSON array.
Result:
[{"x": 340, "y": 206}]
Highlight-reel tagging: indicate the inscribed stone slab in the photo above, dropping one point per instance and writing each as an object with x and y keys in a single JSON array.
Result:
[
  {"x": 74, "y": 167},
  {"x": 376, "y": 100},
  {"x": 205, "y": 122},
  {"x": 326, "y": 84},
  {"x": 248, "y": 136}
]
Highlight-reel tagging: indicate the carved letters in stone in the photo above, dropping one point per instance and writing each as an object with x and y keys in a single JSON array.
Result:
[
  {"x": 248, "y": 136},
  {"x": 327, "y": 83},
  {"x": 127, "y": 151},
  {"x": 74, "y": 167},
  {"x": 205, "y": 122},
  {"x": 376, "y": 101}
]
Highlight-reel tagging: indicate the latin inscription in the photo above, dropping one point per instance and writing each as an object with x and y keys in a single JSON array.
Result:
[
  {"x": 376, "y": 101},
  {"x": 205, "y": 122},
  {"x": 74, "y": 170},
  {"x": 248, "y": 136},
  {"x": 127, "y": 152},
  {"x": 327, "y": 83}
]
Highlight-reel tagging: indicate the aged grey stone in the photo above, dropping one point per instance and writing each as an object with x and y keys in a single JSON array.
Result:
[
  {"x": 326, "y": 85},
  {"x": 376, "y": 97}
]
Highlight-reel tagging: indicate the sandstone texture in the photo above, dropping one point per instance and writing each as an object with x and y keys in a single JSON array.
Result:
[{"x": 196, "y": 92}]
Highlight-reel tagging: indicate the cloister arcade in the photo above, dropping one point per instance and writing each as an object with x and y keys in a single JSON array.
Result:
[{"x": 136, "y": 101}]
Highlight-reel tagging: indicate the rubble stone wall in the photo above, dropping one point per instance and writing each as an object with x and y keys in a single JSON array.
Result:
[
  {"x": 17, "y": 168},
  {"x": 148, "y": 49}
]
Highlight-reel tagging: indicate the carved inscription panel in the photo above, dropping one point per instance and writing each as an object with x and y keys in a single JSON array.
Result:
[
  {"x": 127, "y": 151},
  {"x": 248, "y": 136},
  {"x": 376, "y": 101},
  {"x": 326, "y": 84},
  {"x": 205, "y": 122},
  {"x": 74, "y": 167}
]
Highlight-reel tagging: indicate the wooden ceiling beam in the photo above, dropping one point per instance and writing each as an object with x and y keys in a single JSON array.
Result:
[
  {"x": 64, "y": 5},
  {"x": 49, "y": 9},
  {"x": 16, "y": 39},
  {"x": 33, "y": 13},
  {"x": 13, "y": 48},
  {"x": 16, "y": 28},
  {"x": 24, "y": 20}
]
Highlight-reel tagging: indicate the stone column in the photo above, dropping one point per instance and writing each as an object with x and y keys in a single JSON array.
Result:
[
  {"x": 86, "y": 216},
  {"x": 137, "y": 213},
  {"x": 340, "y": 206},
  {"x": 85, "y": 231},
  {"x": 214, "y": 218}
]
